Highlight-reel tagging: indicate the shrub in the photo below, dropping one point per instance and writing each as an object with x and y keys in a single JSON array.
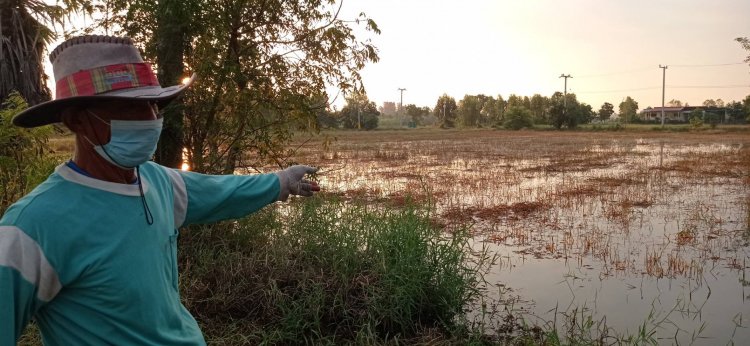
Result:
[
  {"x": 517, "y": 118},
  {"x": 326, "y": 272},
  {"x": 696, "y": 122},
  {"x": 24, "y": 162}
]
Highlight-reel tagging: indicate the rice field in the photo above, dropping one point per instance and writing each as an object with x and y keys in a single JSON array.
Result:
[{"x": 637, "y": 232}]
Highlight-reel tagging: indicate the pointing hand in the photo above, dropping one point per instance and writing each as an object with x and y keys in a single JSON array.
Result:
[{"x": 293, "y": 183}]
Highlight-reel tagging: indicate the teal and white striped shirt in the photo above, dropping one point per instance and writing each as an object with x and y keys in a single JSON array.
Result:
[{"x": 78, "y": 255}]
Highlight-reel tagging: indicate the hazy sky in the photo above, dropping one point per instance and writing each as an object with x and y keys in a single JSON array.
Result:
[{"x": 612, "y": 48}]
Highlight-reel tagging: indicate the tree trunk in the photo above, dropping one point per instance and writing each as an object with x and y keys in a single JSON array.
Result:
[{"x": 170, "y": 50}]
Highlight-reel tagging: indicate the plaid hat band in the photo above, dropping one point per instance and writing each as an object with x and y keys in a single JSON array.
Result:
[
  {"x": 106, "y": 78},
  {"x": 93, "y": 69}
]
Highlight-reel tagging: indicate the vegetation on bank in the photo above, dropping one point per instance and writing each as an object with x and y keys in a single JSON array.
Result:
[
  {"x": 24, "y": 158},
  {"x": 322, "y": 271}
]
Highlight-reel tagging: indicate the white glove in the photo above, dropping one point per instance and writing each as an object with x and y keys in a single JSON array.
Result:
[{"x": 292, "y": 182}]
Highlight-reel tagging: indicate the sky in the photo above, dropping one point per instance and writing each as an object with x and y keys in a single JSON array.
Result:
[{"x": 611, "y": 48}]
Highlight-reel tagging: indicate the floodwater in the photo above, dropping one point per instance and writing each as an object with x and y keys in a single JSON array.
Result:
[{"x": 632, "y": 230}]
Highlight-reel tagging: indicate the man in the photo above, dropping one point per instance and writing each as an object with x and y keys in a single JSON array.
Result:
[{"x": 91, "y": 253}]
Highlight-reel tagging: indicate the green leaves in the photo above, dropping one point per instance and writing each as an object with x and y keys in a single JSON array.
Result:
[
  {"x": 281, "y": 56},
  {"x": 22, "y": 153},
  {"x": 628, "y": 109},
  {"x": 359, "y": 113},
  {"x": 745, "y": 42},
  {"x": 446, "y": 111},
  {"x": 517, "y": 118},
  {"x": 263, "y": 69},
  {"x": 324, "y": 271}
]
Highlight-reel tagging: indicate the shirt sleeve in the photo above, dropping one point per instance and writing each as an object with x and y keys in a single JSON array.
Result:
[
  {"x": 27, "y": 281},
  {"x": 210, "y": 198}
]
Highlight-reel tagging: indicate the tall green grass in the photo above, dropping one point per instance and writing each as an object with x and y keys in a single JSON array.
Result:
[{"x": 322, "y": 271}]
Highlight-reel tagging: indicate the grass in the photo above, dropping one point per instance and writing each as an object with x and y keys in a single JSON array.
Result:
[{"x": 325, "y": 272}]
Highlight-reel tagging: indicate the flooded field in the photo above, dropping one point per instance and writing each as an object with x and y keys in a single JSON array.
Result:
[{"x": 629, "y": 229}]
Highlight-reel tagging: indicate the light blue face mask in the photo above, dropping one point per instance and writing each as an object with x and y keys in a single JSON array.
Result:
[{"x": 131, "y": 143}]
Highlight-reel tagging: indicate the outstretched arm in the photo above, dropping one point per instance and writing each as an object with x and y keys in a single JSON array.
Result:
[{"x": 211, "y": 198}]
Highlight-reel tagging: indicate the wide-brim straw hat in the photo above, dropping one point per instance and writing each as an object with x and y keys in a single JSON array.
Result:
[{"x": 92, "y": 69}]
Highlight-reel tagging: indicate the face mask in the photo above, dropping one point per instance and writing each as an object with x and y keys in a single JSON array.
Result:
[{"x": 131, "y": 143}]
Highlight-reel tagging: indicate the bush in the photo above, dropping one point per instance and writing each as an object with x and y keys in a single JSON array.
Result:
[
  {"x": 696, "y": 122},
  {"x": 517, "y": 118},
  {"x": 326, "y": 272},
  {"x": 712, "y": 119},
  {"x": 24, "y": 162}
]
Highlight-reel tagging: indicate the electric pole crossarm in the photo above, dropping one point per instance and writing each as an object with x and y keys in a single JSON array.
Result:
[{"x": 565, "y": 98}]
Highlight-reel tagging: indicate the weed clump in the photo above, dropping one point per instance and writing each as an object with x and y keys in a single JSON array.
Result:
[{"x": 325, "y": 272}]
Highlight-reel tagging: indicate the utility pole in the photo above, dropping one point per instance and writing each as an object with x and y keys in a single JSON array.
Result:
[
  {"x": 565, "y": 99},
  {"x": 663, "y": 81},
  {"x": 401, "y": 105},
  {"x": 359, "y": 118}
]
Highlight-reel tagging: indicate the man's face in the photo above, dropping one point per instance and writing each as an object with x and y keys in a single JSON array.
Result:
[
  {"x": 125, "y": 110},
  {"x": 116, "y": 110}
]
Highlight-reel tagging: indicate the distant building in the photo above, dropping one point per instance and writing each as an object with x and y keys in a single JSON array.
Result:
[
  {"x": 680, "y": 114},
  {"x": 389, "y": 108}
]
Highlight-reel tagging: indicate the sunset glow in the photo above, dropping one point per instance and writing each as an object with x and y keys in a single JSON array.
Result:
[{"x": 612, "y": 49}]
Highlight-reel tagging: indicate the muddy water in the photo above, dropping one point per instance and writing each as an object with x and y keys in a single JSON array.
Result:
[{"x": 624, "y": 228}]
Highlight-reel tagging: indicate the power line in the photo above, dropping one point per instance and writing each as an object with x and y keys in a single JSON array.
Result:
[
  {"x": 709, "y": 86},
  {"x": 711, "y": 65},
  {"x": 649, "y": 68},
  {"x": 668, "y": 86},
  {"x": 617, "y": 73},
  {"x": 617, "y": 91}
]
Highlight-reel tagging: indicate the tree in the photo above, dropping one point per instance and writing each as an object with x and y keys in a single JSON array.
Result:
[
  {"x": 557, "y": 110},
  {"x": 606, "y": 111},
  {"x": 674, "y": 103},
  {"x": 517, "y": 118},
  {"x": 500, "y": 106},
  {"x": 164, "y": 28},
  {"x": 25, "y": 32},
  {"x": 736, "y": 112},
  {"x": 565, "y": 111},
  {"x": 493, "y": 111},
  {"x": 709, "y": 103},
  {"x": 359, "y": 113},
  {"x": 488, "y": 112},
  {"x": 585, "y": 113},
  {"x": 745, "y": 42},
  {"x": 327, "y": 119},
  {"x": 527, "y": 102},
  {"x": 628, "y": 109},
  {"x": 417, "y": 114},
  {"x": 263, "y": 69},
  {"x": 446, "y": 110},
  {"x": 469, "y": 111},
  {"x": 538, "y": 107},
  {"x": 515, "y": 101}
]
